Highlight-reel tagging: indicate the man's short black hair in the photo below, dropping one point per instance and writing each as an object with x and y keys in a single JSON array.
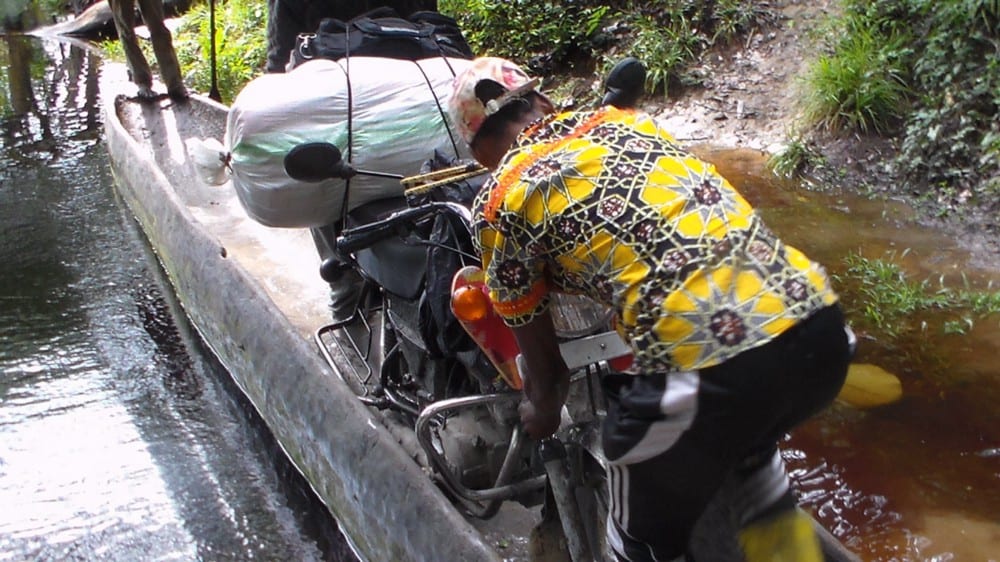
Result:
[{"x": 512, "y": 111}]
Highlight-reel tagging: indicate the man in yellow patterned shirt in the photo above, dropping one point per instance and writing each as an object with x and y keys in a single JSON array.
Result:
[{"x": 737, "y": 336}]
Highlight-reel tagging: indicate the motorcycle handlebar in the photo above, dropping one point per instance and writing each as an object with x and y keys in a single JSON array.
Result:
[{"x": 358, "y": 238}]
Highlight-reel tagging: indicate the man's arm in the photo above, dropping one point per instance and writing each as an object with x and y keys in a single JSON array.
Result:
[{"x": 546, "y": 382}]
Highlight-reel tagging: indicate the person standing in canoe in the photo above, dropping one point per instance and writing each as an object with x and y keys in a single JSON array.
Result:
[
  {"x": 123, "y": 14},
  {"x": 737, "y": 337}
]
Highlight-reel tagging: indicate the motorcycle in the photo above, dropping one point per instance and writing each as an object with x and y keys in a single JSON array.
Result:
[
  {"x": 461, "y": 407},
  {"x": 410, "y": 355}
]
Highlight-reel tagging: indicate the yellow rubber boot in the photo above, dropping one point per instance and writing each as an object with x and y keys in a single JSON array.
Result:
[{"x": 786, "y": 537}]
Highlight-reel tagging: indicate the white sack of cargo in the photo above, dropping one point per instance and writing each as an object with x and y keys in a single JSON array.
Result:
[{"x": 386, "y": 116}]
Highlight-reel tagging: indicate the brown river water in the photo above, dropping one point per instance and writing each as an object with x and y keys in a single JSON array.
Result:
[{"x": 918, "y": 479}]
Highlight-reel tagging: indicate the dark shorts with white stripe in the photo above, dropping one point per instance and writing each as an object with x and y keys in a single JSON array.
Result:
[{"x": 673, "y": 440}]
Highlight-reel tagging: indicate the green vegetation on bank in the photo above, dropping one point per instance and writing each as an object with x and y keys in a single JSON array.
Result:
[
  {"x": 798, "y": 156},
  {"x": 891, "y": 302},
  {"x": 528, "y": 31},
  {"x": 240, "y": 45},
  {"x": 550, "y": 37},
  {"x": 47, "y": 6},
  {"x": 860, "y": 86},
  {"x": 21, "y": 15},
  {"x": 926, "y": 72}
]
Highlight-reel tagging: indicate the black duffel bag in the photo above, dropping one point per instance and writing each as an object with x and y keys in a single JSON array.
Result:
[{"x": 382, "y": 33}]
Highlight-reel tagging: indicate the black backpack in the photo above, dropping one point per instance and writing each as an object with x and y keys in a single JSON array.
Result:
[
  {"x": 382, "y": 33},
  {"x": 439, "y": 328}
]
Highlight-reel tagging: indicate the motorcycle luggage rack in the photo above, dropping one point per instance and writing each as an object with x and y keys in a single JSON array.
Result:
[{"x": 339, "y": 335}]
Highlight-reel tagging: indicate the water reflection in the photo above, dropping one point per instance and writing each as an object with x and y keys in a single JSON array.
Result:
[
  {"x": 120, "y": 440},
  {"x": 917, "y": 479},
  {"x": 44, "y": 76}
]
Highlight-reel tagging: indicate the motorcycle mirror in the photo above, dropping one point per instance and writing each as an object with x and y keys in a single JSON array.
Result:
[
  {"x": 315, "y": 162},
  {"x": 625, "y": 83}
]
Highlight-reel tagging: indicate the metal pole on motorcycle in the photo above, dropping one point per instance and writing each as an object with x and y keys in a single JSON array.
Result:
[{"x": 553, "y": 455}]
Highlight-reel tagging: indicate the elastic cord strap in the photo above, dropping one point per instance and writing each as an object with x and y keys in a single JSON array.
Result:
[
  {"x": 350, "y": 123},
  {"x": 444, "y": 116},
  {"x": 441, "y": 52}
]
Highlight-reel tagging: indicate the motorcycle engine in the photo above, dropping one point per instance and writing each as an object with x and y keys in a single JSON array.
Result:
[{"x": 474, "y": 445}]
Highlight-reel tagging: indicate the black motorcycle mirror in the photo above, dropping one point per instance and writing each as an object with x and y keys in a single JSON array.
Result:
[
  {"x": 315, "y": 162},
  {"x": 318, "y": 161},
  {"x": 625, "y": 83}
]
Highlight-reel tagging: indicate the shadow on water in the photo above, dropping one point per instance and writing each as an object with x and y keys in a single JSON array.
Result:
[
  {"x": 123, "y": 437},
  {"x": 177, "y": 344},
  {"x": 917, "y": 479}
]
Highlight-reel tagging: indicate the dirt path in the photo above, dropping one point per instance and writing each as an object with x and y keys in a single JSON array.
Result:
[
  {"x": 750, "y": 90},
  {"x": 750, "y": 99}
]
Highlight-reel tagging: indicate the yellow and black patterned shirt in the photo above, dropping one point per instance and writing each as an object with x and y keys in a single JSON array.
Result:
[{"x": 606, "y": 204}]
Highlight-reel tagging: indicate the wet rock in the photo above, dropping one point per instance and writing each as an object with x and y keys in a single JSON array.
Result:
[{"x": 868, "y": 386}]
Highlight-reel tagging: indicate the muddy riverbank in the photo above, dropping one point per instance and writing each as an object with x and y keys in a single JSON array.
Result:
[{"x": 749, "y": 98}]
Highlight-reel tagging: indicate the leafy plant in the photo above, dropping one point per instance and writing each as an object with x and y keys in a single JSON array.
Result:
[
  {"x": 50, "y": 7},
  {"x": 666, "y": 35},
  {"x": 113, "y": 50},
  {"x": 956, "y": 67},
  {"x": 933, "y": 66},
  {"x": 860, "y": 85},
  {"x": 664, "y": 49},
  {"x": 794, "y": 158},
  {"x": 241, "y": 45},
  {"x": 545, "y": 34},
  {"x": 888, "y": 298},
  {"x": 733, "y": 17}
]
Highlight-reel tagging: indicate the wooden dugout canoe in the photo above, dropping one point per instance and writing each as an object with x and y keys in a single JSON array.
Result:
[{"x": 254, "y": 295}]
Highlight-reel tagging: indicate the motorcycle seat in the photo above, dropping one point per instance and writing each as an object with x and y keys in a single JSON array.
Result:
[{"x": 398, "y": 267}]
